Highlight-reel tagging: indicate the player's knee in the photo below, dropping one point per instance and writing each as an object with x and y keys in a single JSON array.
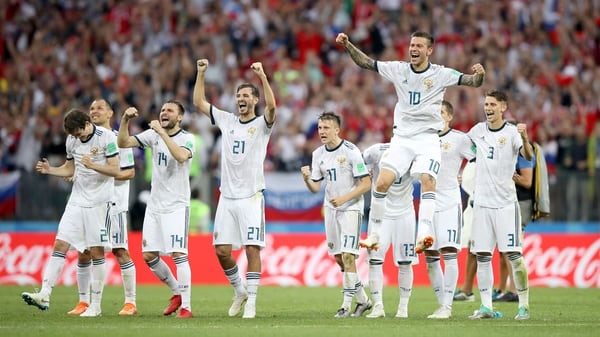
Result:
[
  {"x": 427, "y": 183},
  {"x": 348, "y": 259},
  {"x": 121, "y": 254},
  {"x": 149, "y": 256},
  {"x": 448, "y": 250},
  {"x": 84, "y": 257},
  {"x": 61, "y": 246},
  {"x": 252, "y": 253},
  {"x": 223, "y": 251},
  {"x": 385, "y": 179}
]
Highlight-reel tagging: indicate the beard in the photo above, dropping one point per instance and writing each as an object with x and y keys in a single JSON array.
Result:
[{"x": 170, "y": 125}]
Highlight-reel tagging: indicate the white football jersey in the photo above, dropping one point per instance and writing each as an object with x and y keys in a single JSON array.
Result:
[
  {"x": 400, "y": 195},
  {"x": 170, "y": 184},
  {"x": 420, "y": 95},
  {"x": 455, "y": 146},
  {"x": 122, "y": 186},
  {"x": 497, "y": 152},
  {"x": 243, "y": 152},
  {"x": 342, "y": 169},
  {"x": 91, "y": 188}
]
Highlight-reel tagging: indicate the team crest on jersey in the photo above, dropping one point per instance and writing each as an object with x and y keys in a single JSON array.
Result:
[
  {"x": 144, "y": 243},
  {"x": 502, "y": 141},
  {"x": 341, "y": 160},
  {"x": 428, "y": 83},
  {"x": 94, "y": 150},
  {"x": 446, "y": 146},
  {"x": 251, "y": 131},
  {"x": 330, "y": 245},
  {"x": 215, "y": 235}
]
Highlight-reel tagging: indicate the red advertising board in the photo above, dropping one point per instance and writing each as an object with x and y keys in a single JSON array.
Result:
[{"x": 565, "y": 260}]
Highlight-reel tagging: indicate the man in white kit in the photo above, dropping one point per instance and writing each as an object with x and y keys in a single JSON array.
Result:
[
  {"x": 496, "y": 211},
  {"x": 420, "y": 86},
  {"x": 398, "y": 229},
  {"x": 166, "y": 221}
]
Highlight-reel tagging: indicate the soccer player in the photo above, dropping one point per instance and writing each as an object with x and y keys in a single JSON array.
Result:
[
  {"x": 456, "y": 147},
  {"x": 398, "y": 228},
  {"x": 420, "y": 86},
  {"x": 340, "y": 164},
  {"x": 92, "y": 159},
  {"x": 496, "y": 212},
  {"x": 240, "y": 216},
  {"x": 101, "y": 112},
  {"x": 523, "y": 178},
  {"x": 467, "y": 181},
  {"x": 166, "y": 221}
]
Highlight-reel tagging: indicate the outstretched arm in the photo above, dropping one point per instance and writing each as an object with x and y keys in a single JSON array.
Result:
[
  {"x": 269, "y": 96},
  {"x": 361, "y": 59},
  {"x": 199, "y": 99},
  {"x": 476, "y": 79}
]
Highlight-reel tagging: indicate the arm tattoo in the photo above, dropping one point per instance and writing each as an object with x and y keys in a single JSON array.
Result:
[
  {"x": 472, "y": 80},
  {"x": 360, "y": 58}
]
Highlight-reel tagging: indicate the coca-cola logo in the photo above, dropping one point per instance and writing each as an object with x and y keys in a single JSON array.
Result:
[
  {"x": 564, "y": 266},
  {"x": 299, "y": 265},
  {"x": 24, "y": 264}
]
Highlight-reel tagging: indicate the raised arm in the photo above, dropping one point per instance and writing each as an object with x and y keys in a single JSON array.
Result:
[
  {"x": 526, "y": 149},
  {"x": 124, "y": 139},
  {"x": 199, "y": 99},
  {"x": 269, "y": 96},
  {"x": 361, "y": 59},
  {"x": 476, "y": 79}
]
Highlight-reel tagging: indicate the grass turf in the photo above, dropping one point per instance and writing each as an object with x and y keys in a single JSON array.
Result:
[{"x": 296, "y": 311}]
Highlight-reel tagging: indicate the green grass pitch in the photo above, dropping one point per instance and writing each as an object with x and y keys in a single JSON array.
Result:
[{"x": 296, "y": 311}]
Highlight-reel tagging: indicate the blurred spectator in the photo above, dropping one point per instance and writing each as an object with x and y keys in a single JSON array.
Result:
[
  {"x": 578, "y": 192},
  {"x": 60, "y": 54},
  {"x": 594, "y": 170}
]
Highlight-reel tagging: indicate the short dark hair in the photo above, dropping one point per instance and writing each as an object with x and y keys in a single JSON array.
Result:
[
  {"x": 330, "y": 116},
  {"x": 500, "y": 96},
  {"x": 252, "y": 87},
  {"x": 75, "y": 119},
  {"x": 449, "y": 107},
  {"x": 106, "y": 103},
  {"x": 425, "y": 35},
  {"x": 179, "y": 105}
]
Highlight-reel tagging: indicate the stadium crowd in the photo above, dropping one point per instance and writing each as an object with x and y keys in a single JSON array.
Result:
[{"x": 58, "y": 54}]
